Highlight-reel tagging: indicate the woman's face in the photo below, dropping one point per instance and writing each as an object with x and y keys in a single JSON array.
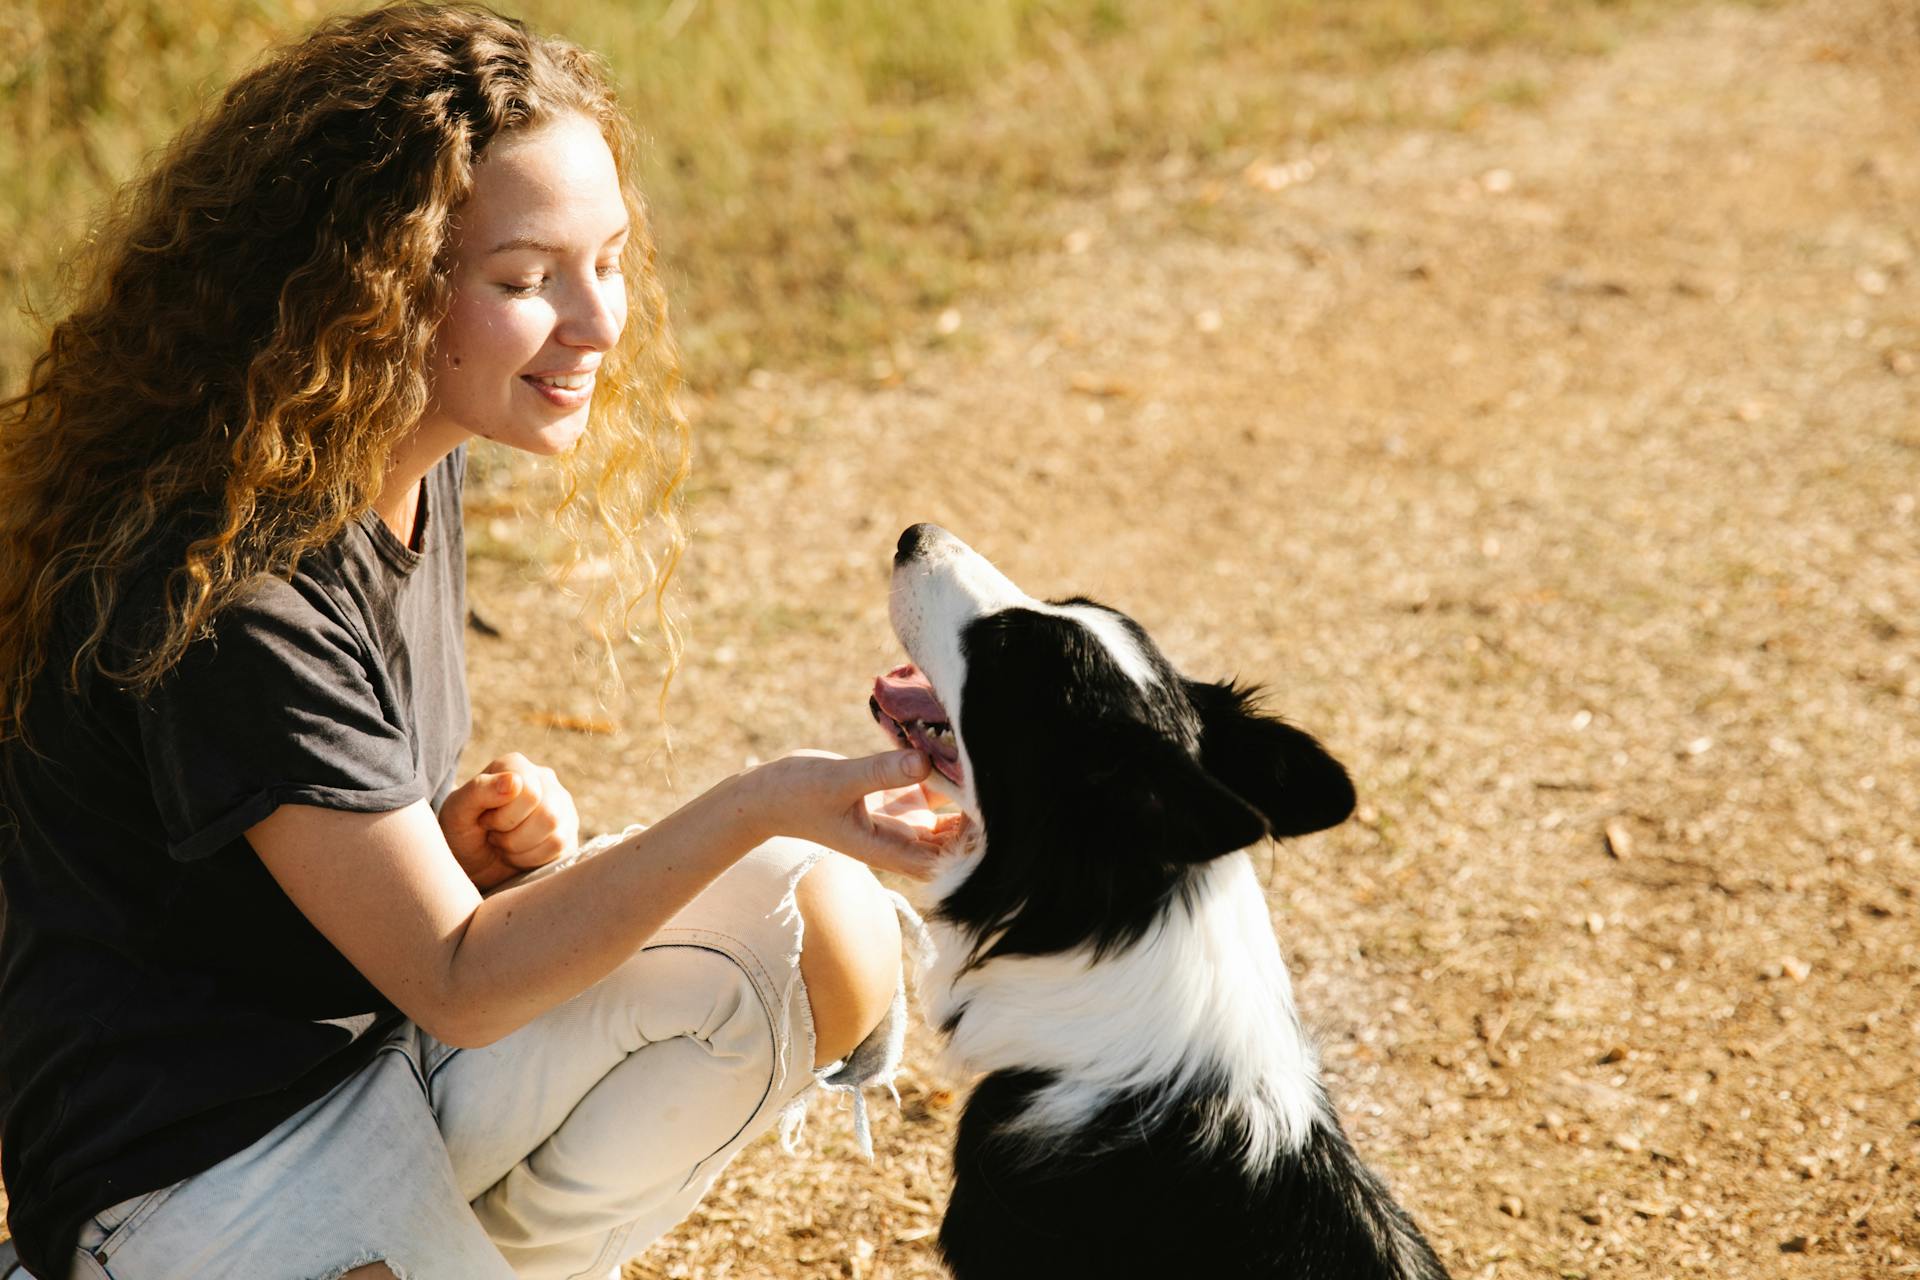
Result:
[{"x": 537, "y": 295}]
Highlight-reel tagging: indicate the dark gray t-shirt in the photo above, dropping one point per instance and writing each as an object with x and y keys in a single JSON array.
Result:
[{"x": 162, "y": 1002}]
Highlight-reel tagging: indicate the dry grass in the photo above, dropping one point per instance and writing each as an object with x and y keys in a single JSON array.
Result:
[{"x": 824, "y": 171}]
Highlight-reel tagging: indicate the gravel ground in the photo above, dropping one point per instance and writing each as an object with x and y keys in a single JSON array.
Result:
[{"x": 1561, "y": 473}]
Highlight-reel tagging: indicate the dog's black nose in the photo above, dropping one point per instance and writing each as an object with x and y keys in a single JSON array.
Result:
[{"x": 916, "y": 537}]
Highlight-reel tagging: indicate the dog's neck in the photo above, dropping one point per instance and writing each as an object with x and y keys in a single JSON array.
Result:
[{"x": 1202, "y": 999}]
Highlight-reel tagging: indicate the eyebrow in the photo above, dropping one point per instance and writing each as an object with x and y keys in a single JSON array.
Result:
[{"x": 544, "y": 246}]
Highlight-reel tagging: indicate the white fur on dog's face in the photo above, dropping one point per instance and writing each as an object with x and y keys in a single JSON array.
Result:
[
  {"x": 944, "y": 585},
  {"x": 935, "y": 594}
]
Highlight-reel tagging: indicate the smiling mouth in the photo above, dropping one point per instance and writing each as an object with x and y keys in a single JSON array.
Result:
[
  {"x": 903, "y": 703},
  {"x": 556, "y": 393}
]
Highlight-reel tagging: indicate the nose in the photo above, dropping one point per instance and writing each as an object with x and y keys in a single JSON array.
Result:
[
  {"x": 914, "y": 541},
  {"x": 595, "y": 317}
]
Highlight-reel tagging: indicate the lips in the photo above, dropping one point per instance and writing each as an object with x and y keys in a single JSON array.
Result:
[
  {"x": 565, "y": 397},
  {"x": 903, "y": 703}
]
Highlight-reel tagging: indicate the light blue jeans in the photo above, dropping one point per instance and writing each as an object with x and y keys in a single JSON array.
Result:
[{"x": 559, "y": 1151}]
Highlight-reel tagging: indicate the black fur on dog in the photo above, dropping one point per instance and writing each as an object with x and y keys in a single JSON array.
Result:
[{"x": 1150, "y": 1104}]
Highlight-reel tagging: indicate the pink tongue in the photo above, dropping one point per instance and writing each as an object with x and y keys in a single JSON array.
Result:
[{"x": 907, "y": 696}]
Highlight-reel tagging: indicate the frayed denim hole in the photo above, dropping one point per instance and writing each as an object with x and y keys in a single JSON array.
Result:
[{"x": 364, "y": 1259}]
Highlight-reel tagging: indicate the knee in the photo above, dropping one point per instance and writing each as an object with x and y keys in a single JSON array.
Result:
[
  {"x": 372, "y": 1271},
  {"x": 850, "y": 956}
]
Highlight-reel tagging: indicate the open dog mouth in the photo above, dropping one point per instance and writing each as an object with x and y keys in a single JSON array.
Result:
[{"x": 903, "y": 703}]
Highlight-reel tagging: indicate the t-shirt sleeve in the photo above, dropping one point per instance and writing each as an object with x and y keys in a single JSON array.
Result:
[{"x": 283, "y": 704}]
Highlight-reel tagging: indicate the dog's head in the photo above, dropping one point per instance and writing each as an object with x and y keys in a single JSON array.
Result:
[{"x": 1098, "y": 775}]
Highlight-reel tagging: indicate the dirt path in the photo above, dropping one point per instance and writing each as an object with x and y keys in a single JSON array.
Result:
[{"x": 1562, "y": 474}]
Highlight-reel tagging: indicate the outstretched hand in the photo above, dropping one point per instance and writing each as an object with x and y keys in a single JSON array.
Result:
[
  {"x": 512, "y": 817},
  {"x": 872, "y": 808}
]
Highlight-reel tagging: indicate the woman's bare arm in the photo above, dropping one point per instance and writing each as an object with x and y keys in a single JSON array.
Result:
[{"x": 387, "y": 891}]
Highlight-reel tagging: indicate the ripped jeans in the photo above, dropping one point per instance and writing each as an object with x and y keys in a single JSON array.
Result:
[{"x": 557, "y": 1152}]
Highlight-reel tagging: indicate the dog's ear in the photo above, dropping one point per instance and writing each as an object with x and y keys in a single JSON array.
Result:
[
  {"x": 1276, "y": 768},
  {"x": 1144, "y": 793}
]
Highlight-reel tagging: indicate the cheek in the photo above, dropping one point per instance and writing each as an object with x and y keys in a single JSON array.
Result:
[
  {"x": 453, "y": 345},
  {"x": 482, "y": 335},
  {"x": 617, "y": 304}
]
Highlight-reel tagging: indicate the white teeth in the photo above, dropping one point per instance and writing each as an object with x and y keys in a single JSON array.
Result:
[
  {"x": 941, "y": 733},
  {"x": 567, "y": 381}
]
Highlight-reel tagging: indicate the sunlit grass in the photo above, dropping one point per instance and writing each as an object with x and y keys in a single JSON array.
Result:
[{"x": 822, "y": 171}]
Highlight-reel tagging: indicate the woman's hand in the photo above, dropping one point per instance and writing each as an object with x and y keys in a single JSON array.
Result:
[
  {"x": 913, "y": 804},
  {"x": 872, "y": 809},
  {"x": 514, "y": 816}
]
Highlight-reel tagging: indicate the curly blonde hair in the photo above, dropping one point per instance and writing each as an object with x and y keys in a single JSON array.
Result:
[{"x": 251, "y": 337}]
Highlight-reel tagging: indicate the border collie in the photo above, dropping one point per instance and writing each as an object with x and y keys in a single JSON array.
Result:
[{"x": 1150, "y": 1103}]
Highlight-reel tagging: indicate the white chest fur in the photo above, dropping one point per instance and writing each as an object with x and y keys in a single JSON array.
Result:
[{"x": 1202, "y": 999}]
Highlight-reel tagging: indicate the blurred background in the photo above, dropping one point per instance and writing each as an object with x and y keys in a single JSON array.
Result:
[
  {"x": 826, "y": 174},
  {"x": 1524, "y": 390}
]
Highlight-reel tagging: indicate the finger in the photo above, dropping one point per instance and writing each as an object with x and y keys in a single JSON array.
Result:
[
  {"x": 914, "y": 815},
  {"x": 909, "y": 804},
  {"x": 526, "y": 854},
  {"x": 518, "y": 798},
  {"x": 923, "y": 822},
  {"x": 917, "y": 862},
  {"x": 558, "y": 798},
  {"x": 467, "y": 803},
  {"x": 512, "y": 762},
  {"x": 900, "y": 846},
  {"x": 898, "y": 800},
  {"x": 541, "y": 856},
  {"x": 539, "y": 825},
  {"x": 920, "y": 794},
  {"x": 934, "y": 848},
  {"x": 888, "y": 769}
]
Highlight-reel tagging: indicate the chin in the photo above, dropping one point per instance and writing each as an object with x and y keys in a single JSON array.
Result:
[{"x": 547, "y": 441}]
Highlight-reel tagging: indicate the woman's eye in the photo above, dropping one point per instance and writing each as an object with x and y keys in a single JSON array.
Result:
[
  {"x": 522, "y": 290},
  {"x": 609, "y": 271}
]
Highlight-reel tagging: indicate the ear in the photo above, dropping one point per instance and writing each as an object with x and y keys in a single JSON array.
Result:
[
  {"x": 1156, "y": 798},
  {"x": 1276, "y": 768}
]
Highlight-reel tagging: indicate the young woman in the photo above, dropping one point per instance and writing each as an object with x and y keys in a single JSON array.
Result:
[{"x": 261, "y": 1017}]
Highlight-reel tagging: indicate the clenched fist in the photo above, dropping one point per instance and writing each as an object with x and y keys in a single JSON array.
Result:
[{"x": 512, "y": 817}]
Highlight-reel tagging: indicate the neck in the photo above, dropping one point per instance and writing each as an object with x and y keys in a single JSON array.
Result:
[
  {"x": 398, "y": 507},
  {"x": 398, "y": 503}
]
